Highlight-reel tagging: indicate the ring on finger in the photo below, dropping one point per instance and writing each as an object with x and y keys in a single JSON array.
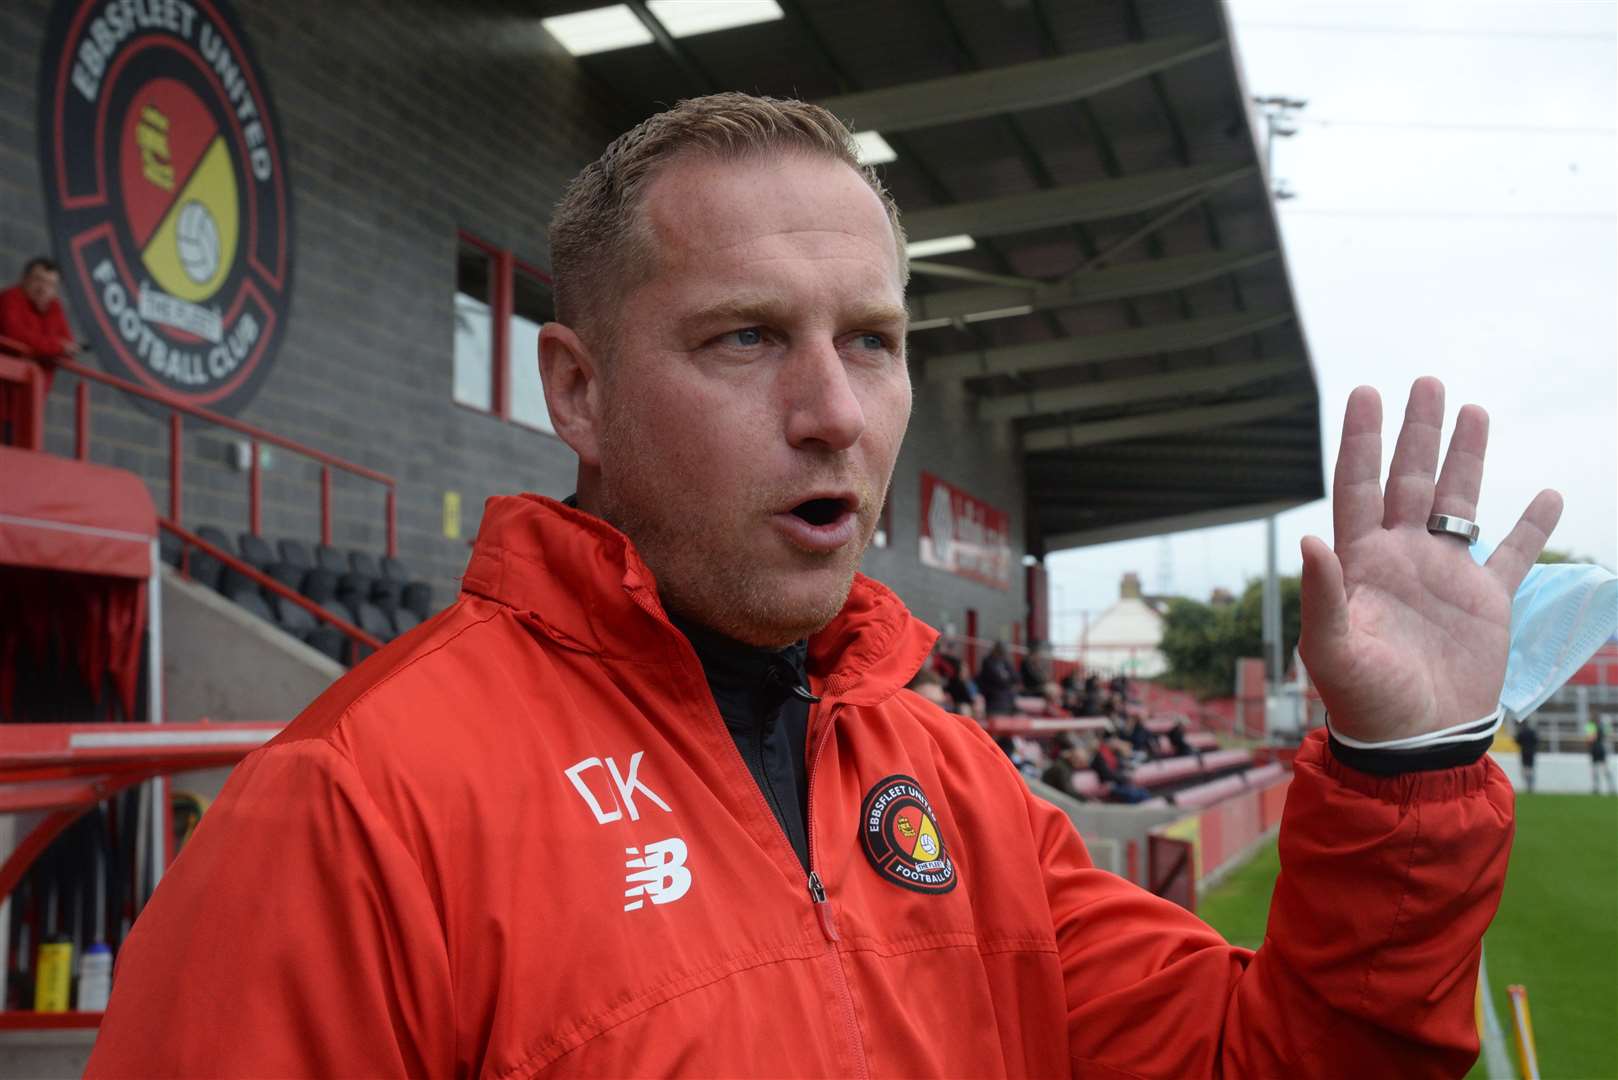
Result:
[{"x": 1450, "y": 525}]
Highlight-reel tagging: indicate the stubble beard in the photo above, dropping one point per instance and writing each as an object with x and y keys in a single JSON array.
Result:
[{"x": 704, "y": 570}]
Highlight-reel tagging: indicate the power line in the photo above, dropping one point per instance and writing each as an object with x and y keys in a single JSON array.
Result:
[
  {"x": 1335, "y": 211},
  {"x": 1423, "y": 125},
  {"x": 1427, "y": 31}
]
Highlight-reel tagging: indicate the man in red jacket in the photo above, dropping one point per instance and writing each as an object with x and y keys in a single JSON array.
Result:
[
  {"x": 32, "y": 322},
  {"x": 31, "y": 314},
  {"x": 650, "y": 798}
]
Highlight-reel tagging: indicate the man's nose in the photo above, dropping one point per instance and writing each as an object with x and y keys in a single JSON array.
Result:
[{"x": 823, "y": 412}]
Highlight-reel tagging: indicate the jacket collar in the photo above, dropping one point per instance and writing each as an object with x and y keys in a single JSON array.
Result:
[
  {"x": 729, "y": 662},
  {"x": 581, "y": 582}
]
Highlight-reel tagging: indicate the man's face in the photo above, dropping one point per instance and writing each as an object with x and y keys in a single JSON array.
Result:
[
  {"x": 758, "y": 393},
  {"x": 40, "y": 286}
]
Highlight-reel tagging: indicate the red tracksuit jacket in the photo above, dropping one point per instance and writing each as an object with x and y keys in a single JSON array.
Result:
[
  {"x": 520, "y": 842},
  {"x": 44, "y": 333}
]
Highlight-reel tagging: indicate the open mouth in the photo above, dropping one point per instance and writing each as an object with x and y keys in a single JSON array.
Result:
[
  {"x": 821, "y": 525},
  {"x": 820, "y": 512}
]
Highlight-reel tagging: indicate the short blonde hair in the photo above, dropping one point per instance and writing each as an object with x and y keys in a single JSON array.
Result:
[{"x": 599, "y": 244}]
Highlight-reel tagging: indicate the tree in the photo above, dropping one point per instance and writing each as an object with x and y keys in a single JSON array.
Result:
[
  {"x": 1202, "y": 643},
  {"x": 1555, "y": 555}
]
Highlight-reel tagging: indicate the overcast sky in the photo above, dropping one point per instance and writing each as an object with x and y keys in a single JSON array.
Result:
[{"x": 1455, "y": 175}]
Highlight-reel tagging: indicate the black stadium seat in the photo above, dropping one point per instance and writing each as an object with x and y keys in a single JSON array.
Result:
[
  {"x": 418, "y": 597},
  {"x": 280, "y": 605},
  {"x": 394, "y": 570},
  {"x": 355, "y": 585},
  {"x": 369, "y": 617},
  {"x": 405, "y": 620},
  {"x": 289, "y": 575},
  {"x": 256, "y": 552},
  {"x": 329, "y": 558},
  {"x": 294, "y": 553},
  {"x": 363, "y": 562},
  {"x": 329, "y": 640},
  {"x": 218, "y": 539},
  {"x": 204, "y": 567},
  {"x": 341, "y": 611},
  {"x": 320, "y": 585},
  {"x": 216, "y": 536},
  {"x": 250, "y": 600},
  {"x": 169, "y": 547},
  {"x": 386, "y": 593},
  {"x": 295, "y": 620},
  {"x": 230, "y": 581}
]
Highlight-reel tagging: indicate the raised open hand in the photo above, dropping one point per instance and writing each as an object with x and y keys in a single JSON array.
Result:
[{"x": 1402, "y": 632}]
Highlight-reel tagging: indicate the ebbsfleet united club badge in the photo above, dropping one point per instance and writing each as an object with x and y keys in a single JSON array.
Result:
[
  {"x": 167, "y": 189},
  {"x": 900, "y": 835}
]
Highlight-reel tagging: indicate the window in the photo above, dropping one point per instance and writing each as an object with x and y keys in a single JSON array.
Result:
[
  {"x": 531, "y": 308},
  {"x": 474, "y": 342},
  {"x": 500, "y": 305},
  {"x": 883, "y": 536}
]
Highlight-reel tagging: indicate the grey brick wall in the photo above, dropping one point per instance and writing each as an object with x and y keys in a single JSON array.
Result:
[
  {"x": 403, "y": 121},
  {"x": 947, "y": 440}
]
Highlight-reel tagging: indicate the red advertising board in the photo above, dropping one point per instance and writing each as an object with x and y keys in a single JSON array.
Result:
[{"x": 964, "y": 535}]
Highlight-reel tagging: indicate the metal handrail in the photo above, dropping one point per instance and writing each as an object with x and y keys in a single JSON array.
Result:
[
  {"x": 256, "y": 434},
  {"x": 263, "y": 580},
  {"x": 239, "y": 426}
]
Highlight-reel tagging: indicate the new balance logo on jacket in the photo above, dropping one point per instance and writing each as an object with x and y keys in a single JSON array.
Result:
[{"x": 659, "y": 873}]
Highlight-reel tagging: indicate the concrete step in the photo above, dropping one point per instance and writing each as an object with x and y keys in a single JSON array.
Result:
[{"x": 225, "y": 664}]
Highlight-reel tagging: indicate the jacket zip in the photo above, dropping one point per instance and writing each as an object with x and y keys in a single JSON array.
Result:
[
  {"x": 768, "y": 785},
  {"x": 817, "y": 890},
  {"x": 823, "y": 911}
]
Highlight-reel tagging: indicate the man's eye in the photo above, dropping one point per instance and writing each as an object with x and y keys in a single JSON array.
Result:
[
  {"x": 746, "y": 338},
  {"x": 873, "y": 341}
]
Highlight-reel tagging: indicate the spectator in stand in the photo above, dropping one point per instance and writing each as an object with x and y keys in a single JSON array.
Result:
[
  {"x": 1036, "y": 669},
  {"x": 1117, "y": 714},
  {"x": 1021, "y": 760},
  {"x": 1140, "y": 737},
  {"x": 1177, "y": 740},
  {"x": 31, "y": 314},
  {"x": 1600, "y": 771},
  {"x": 31, "y": 317},
  {"x": 1070, "y": 759},
  {"x": 930, "y": 685},
  {"x": 1110, "y": 766},
  {"x": 1092, "y": 696},
  {"x": 998, "y": 683},
  {"x": 1072, "y": 695},
  {"x": 1528, "y": 743},
  {"x": 957, "y": 683}
]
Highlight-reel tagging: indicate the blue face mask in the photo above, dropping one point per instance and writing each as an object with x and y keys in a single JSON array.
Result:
[{"x": 1562, "y": 613}]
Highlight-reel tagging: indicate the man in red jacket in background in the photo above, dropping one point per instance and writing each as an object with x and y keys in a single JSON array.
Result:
[
  {"x": 31, "y": 318},
  {"x": 31, "y": 314},
  {"x": 651, "y": 799}
]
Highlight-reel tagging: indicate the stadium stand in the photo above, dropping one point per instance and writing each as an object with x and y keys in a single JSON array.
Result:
[
  {"x": 1200, "y": 777},
  {"x": 349, "y": 584}
]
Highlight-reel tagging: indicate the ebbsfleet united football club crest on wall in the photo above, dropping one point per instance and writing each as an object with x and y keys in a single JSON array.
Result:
[{"x": 167, "y": 188}]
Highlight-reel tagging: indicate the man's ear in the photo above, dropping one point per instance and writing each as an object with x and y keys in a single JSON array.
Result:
[{"x": 573, "y": 390}]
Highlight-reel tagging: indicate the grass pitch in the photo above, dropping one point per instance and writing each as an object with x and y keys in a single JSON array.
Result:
[{"x": 1556, "y": 932}]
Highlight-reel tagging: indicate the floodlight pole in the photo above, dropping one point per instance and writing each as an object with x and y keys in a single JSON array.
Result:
[
  {"x": 1273, "y": 670},
  {"x": 1279, "y": 122}
]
